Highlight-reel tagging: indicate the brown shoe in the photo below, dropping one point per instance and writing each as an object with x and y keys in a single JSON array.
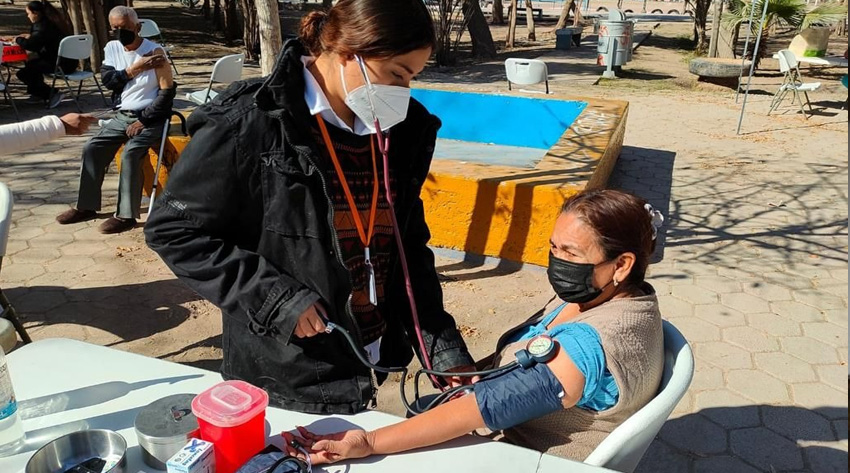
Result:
[
  {"x": 75, "y": 216},
  {"x": 117, "y": 225}
]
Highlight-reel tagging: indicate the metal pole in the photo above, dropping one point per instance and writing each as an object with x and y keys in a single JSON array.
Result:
[
  {"x": 752, "y": 66},
  {"x": 746, "y": 47}
]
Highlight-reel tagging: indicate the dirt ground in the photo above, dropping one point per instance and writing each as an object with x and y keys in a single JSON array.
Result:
[{"x": 669, "y": 111}]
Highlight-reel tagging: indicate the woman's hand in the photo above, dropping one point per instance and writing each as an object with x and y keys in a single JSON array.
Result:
[
  {"x": 331, "y": 448},
  {"x": 455, "y": 381},
  {"x": 310, "y": 323},
  {"x": 24, "y": 35}
]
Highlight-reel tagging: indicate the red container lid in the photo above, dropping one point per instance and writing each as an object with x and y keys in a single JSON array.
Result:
[{"x": 230, "y": 403}]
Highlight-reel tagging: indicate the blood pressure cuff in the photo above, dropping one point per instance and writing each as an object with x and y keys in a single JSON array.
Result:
[{"x": 518, "y": 396}]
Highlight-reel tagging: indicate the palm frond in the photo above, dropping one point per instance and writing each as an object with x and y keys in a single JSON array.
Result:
[{"x": 824, "y": 15}]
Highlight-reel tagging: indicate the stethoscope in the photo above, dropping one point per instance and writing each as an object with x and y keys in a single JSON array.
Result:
[{"x": 540, "y": 349}]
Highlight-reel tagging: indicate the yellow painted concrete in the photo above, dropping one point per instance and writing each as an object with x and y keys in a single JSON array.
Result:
[
  {"x": 502, "y": 211},
  {"x": 509, "y": 212}
]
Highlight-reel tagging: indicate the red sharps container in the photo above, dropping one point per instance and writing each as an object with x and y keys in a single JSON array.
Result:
[{"x": 232, "y": 416}]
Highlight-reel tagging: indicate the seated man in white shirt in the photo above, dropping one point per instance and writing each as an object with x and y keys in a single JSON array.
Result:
[{"x": 137, "y": 72}]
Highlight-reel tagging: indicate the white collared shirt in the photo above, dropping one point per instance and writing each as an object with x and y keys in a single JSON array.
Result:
[{"x": 318, "y": 103}]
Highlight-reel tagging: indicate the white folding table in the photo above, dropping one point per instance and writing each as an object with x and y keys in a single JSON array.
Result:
[{"x": 66, "y": 385}]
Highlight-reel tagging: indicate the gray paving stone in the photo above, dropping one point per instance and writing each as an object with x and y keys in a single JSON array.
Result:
[
  {"x": 775, "y": 325},
  {"x": 819, "y": 299},
  {"x": 707, "y": 378},
  {"x": 765, "y": 449},
  {"x": 789, "y": 281},
  {"x": 767, "y": 291},
  {"x": 818, "y": 395},
  {"x": 720, "y": 315},
  {"x": 660, "y": 457},
  {"x": 758, "y": 386},
  {"x": 39, "y": 301},
  {"x": 750, "y": 339},
  {"x": 795, "y": 423},
  {"x": 833, "y": 375},
  {"x": 672, "y": 307},
  {"x": 834, "y": 287},
  {"x": 728, "y": 409},
  {"x": 697, "y": 330},
  {"x": 69, "y": 264},
  {"x": 809, "y": 349},
  {"x": 50, "y": 240},
  {"x": 785, "y": 367},
  {"x": 796, "y": 311},
  {"x": 839, "y": 427},
  {"x": 839, "y": 274},
  {"x": 20, "y": 272},
  {"x": 718, "y": 284},
  {"x": 745, "y": 303},
  {"x": 721, "y": 464},
  {"x": 826, "y": 457},
  {"x": 36, "y": 255},
  {"x": 828, "y": 333},
  {"x": 694, "y": 433},
  {"x": 695, "y": 294},
  {"x": 723, "y": 355}
]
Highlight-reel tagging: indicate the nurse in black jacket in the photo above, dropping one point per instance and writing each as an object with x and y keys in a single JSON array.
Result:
[
  {"x": 47, "y": 31},
  {"x": 276, "y": 211}
]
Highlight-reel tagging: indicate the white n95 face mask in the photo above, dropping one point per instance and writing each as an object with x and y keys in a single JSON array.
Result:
[{"x": 386, "y": 103}]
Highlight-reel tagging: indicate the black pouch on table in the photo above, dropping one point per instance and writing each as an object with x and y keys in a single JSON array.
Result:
[{"x": 272, "y": 460}]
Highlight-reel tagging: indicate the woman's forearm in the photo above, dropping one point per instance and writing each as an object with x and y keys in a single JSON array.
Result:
[{"x": 443, "y": 423}]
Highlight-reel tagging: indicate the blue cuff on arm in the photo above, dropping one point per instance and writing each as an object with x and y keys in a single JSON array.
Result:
[{"x": 518, "y": 396}]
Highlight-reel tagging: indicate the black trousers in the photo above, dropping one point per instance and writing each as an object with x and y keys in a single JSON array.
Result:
[{"x": 32, "y": 74}]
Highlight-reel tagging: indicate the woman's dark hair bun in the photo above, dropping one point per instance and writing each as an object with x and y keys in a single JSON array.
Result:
[{"x": 310, "y": 31}]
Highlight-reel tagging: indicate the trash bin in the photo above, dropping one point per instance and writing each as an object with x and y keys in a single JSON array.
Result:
[
  {"x": 619, "y": 31},
  {"x": 566, "y": 38}
]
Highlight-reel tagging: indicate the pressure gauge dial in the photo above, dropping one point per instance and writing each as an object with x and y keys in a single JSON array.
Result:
[{"x": 542, "y": 348}]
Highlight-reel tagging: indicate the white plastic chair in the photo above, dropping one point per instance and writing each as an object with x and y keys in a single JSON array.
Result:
[
  {"x": 793, "y": 82},
  {"x": 625, "y": 446},
  {"x": 226, "y": 70},
  {"x": 8, "y": 97},
  {"x": 151, "y": 30},
  {"x": 77, "y": 47},
  {"x": 7, "y": 312},
  {"x": 526, "y": 72}
]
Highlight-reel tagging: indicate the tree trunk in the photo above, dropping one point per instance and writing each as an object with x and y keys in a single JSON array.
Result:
[
  {"x": 529, "y": 20},
  {"x": 231, "y": 21},
  {"x": 271, "y": 41},
  {"x": 700, "y": 19},
  {"x": 87, "y": 9},
  {"x": 218, "y": 23},
  {"x": 250, "y": 29},
  {"x": 715, "y": 28},
  {"x": 482, "y": 39},
  {"x": 205, "y": 9},
  {"x": 565, "y": 13},
  {"x": 76, "y": 14},
  {"x": 511, "y": 38},
  {"x": 100, "y": 14},
  {"x": 497, "y": 17},
  {"x": 327, "y": 4}
]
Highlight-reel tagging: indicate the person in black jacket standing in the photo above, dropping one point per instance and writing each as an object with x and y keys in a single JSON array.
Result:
[
  {"x": 47, "y": 31},
  {"x": 277, "y": 213}
]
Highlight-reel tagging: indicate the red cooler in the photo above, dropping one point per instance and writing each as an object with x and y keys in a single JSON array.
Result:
[{"x": 232, "y": 416}]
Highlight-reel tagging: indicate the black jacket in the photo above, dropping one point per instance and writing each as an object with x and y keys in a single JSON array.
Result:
[
  {"x": 246, "y": 221},
  {"x": 44, "y": 40},
  {"x": 154, "y": 114}
]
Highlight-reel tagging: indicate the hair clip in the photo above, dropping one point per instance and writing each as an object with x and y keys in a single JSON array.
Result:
[{"x": 656, "y": 219}]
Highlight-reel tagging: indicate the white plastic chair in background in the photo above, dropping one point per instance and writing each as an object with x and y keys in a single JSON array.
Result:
[
  {"x": 7, "y": 312},
  {"x": 625, "y": 446},
  {"x": 526, "y": 72},
  {"x": 77, "y": 47},
  {"x": 226, "y": 70},
  {"x": 151, "y": 30},
  {"x": 793, "y": 82}
]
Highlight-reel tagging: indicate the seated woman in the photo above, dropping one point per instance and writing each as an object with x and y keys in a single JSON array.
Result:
[
  {"x": 607, "y": 352},
  {"x": 47, "y": 31}
]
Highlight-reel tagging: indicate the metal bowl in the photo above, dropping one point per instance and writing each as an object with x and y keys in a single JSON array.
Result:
[{"x": 98, "y": 451}]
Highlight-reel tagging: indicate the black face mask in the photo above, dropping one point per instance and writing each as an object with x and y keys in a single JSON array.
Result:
[
  {"x": 573, "y": 282},
  {"x": 126, "y": 37}
]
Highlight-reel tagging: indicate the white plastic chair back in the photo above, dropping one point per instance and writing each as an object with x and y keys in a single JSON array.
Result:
[
  {"x": 625, "y": 446},
  {"x": 526, "y": 71},
  {"x": 787, "y": 61},
  {"x": 76, "y": 47},
  {"x": 6, "y": 203},
  {"x": 149, "y": 28},
  {"x": 228, "y": 69}
]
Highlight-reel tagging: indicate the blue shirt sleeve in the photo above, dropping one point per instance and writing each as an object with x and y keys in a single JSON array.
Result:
[{"x": 582, "y": 343}]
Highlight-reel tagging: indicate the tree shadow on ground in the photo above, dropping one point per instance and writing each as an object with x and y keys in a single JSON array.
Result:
[{"x": 751, "y": 438}]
